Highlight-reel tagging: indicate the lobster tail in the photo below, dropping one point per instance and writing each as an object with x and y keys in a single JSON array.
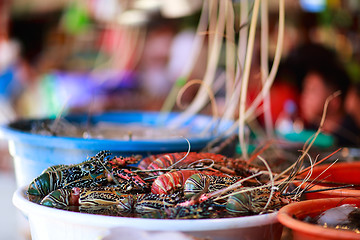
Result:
[
  {"x": 44, "y": 184},
  {"x": 59, "y": 198},
  {"x": 170, "y": 182}
]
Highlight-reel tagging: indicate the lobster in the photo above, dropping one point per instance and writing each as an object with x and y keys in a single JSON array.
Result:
[
  {"x": 97, "y": 196},
  {"x": 256, "y": 201},
  {"x": 151, "y": 202},
  {"x": 178, "y": 159},
  {"x": 107, "y": 185},
  {"x": 110, "y": 196},
  {"x": 98, "y": 171},
  {"x": 206, "y": 209},
  {"x": 183, "y": 160},
  {"x": 171, "y": 182},
  {"x": 199, "y": 181},
  {"x": 251, "y": 200},
  {"x": 108, "y": 210}
]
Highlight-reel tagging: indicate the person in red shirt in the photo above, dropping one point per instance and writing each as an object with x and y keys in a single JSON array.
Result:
[{"x": 321, "y": 74}]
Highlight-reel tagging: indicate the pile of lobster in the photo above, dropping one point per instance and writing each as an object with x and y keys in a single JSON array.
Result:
[{"x": 173, "y": 185}]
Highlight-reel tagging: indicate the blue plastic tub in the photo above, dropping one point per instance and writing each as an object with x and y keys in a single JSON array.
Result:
[{"x": 32, "y": 153}]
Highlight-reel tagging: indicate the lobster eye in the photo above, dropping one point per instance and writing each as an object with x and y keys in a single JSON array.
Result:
[{"x": 87, "y": 167}]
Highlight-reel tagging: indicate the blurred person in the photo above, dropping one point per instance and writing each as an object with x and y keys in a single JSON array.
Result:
[
  {"x": 321, "y": 75},
  {"x": 166, "y": 53},
  {"x": 153, "y": 65},
  {"x": 283, "y": 90}
]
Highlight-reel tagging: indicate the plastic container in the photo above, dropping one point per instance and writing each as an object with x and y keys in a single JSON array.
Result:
[
  {"x": 341, "y": 173},
  {"x": 291, "y": 216},
  {"x": 49, "y": 223},
  {"x": 321, "y": 141},
  {"x": 32, "y": 153}
]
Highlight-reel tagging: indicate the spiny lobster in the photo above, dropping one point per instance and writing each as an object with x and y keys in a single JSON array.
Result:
[
  {"x": 97, "y": 171},
  {"x": 184, "y": 160},
  {"x": 106, "y": 196}
]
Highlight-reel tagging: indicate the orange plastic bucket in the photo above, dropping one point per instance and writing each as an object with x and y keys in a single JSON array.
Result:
[
  {"x": 340, "y": 173},
  {"x": 291, "y": 216}
]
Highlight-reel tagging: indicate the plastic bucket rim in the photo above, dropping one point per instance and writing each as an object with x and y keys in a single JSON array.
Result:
[
  {"x": 64, "y": 142},
  {"x": 336, "y": 192},
  {"x": 28, "y": 208},
  {"x": 285, "y": 218}
]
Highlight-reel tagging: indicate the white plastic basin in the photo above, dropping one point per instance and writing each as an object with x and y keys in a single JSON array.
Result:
[{"x": 55, "y": 224}]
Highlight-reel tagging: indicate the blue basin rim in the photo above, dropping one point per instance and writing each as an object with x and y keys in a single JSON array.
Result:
[{"x": 16, "y": 131}]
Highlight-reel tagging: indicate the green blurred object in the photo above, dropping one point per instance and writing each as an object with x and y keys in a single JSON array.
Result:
[
  {"x": 353, "y": 69},
  {"x": 76, "y": 19},
  {"x": 51, "y": 104},
  {"x": 322, "y": 140},
  {"x": 181, "y": 81},
  {"x": 171, "y": 98},
  {"x": 250, "y": 149}
]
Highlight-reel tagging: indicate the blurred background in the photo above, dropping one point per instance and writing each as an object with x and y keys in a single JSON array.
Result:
[
  {"x": 96, "y": 55},
  {"x": 67, "y": 56}
]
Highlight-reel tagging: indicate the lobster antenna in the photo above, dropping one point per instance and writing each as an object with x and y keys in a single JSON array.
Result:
[
  {"x": 328, "y": 99},
  {"x": 211, "y": 95},
  {"x": 245, "y": 79},
  {"x": 242, "y": 189},
  {"x": 312, "y": 183},
  {"x": 277, "y": 57},
  {"x": 231, "y": 187},
  {"x": 199, "y": 161},
  {"x": 320, "y": 174},
  {"x": 306, "y": 169},
  {"x": 86, "y": 133},
  {"x": 264, "y": 56},
  {"x": 190, "y": 65},
  {"x": 310, "y": 172},
  {"x": 307, "y": 175},
  {"x": 217, "y": 149},
  {"x": 294, "y": 172},
  {"x": 271, "y": 181},
  {"x": 107, "y": 170},
  {"x": 313, "y": 138},
  {"x": 189, "y": 147},
  {"x": 58, "y": 116},
  {"x": 87, "y": 160},
  {"x": 260, "y": 151},
  {"x": 188, "y": 168},
  {"x": 321, "y": 190},
  {"x": 317, "y": 163}
]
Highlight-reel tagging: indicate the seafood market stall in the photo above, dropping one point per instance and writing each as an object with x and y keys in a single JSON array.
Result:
[{"x": 182, "y": 119}]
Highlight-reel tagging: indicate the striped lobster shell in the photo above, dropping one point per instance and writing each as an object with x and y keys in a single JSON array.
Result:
[
  {"x": 98, "y": 171},
  {"x": 181, "y": 160},
  {"x": 197, "y": 182},
  {"x": 170, "y": 182},
  {"x": 97, "y": 196},
  {"x": 151, "y": 202},
  {"x": 254, "y": 201}
]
